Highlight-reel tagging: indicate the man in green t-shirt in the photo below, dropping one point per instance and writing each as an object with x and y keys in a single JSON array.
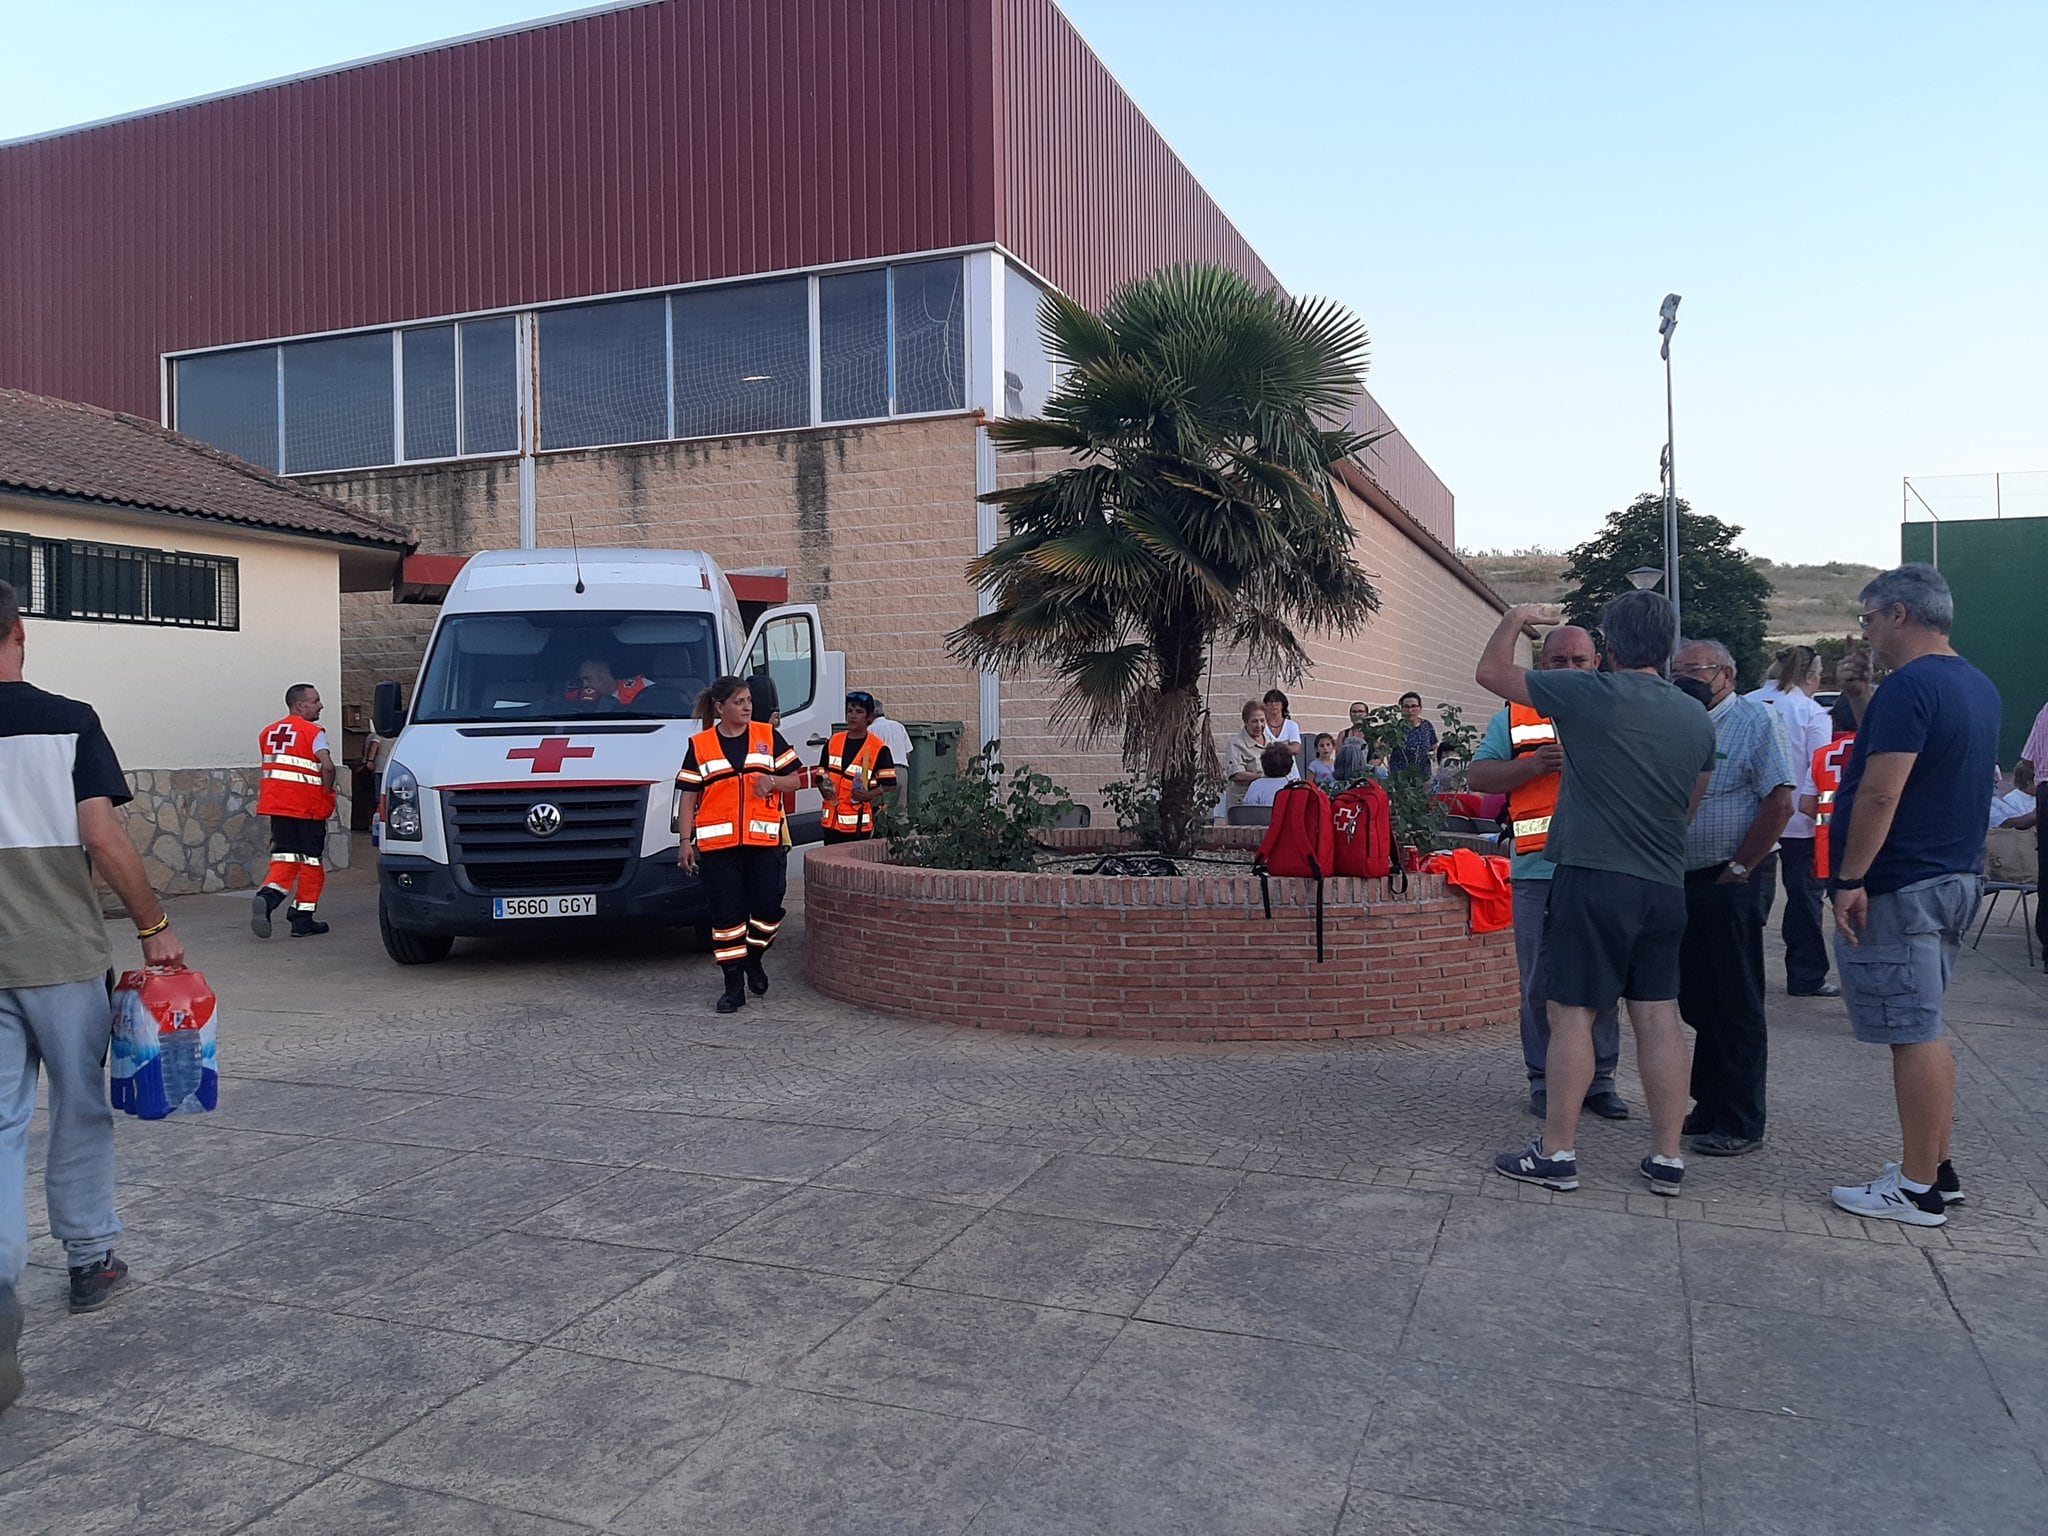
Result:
[{"x": 1641, "y": 756}]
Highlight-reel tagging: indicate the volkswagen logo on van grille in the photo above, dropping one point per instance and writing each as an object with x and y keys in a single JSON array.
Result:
[{"x": 544, "y": 820}]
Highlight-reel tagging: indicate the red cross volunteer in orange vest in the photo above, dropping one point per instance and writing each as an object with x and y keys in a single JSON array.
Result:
[
  {"x": 597, "y": 685},
  {"x": 855, "y": 775},
  {"x": 1828, "y": 763},
  {"x": 297, "y": 794},
  {"x": 1531, "y": 804},
  {"x": 729, "y": 814}
]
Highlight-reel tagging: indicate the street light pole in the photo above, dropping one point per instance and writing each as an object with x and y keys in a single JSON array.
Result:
[{"x": 1667, "y": 323}]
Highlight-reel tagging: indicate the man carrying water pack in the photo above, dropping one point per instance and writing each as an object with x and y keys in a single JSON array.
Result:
[{"x": 58, "y": 823}]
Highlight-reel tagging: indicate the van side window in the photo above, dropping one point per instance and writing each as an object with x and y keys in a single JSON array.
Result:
[{"x": 786, "y": 649}]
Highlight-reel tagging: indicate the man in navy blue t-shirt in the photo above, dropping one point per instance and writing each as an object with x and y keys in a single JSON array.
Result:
[{"x": 1907, "y": 847}]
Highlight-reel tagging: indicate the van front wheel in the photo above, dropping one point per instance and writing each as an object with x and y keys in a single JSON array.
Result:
[{"x": 407, "y": 947}]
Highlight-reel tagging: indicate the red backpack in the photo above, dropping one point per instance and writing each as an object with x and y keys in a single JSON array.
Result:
[
  {"x": 1364, "y": 818},
  {"x": 1300, "y": 844}
]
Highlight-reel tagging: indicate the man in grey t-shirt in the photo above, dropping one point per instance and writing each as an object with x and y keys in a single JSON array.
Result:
[
  {"x": 59, "y": 786},
  {"x": 1642, "y": 755}
]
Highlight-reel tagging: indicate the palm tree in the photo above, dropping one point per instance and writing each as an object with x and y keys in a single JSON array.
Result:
[{"x": 1194, "y": 506}]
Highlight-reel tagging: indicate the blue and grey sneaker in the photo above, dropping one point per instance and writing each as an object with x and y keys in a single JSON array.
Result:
[
  {"x": 1665, "y": 1174},
  {"x": 1557, "y": 1171}
]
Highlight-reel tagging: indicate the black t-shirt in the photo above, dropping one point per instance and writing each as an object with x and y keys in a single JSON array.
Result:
[{"x": 53, "y": 754}]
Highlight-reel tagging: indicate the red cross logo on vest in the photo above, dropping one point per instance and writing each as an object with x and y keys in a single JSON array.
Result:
[
  {"x": 278, "y": 739},
  {"x": 549, "y": 755}
]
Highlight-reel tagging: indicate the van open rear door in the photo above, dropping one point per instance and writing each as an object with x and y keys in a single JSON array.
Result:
[{"x": 787, "y": 646}]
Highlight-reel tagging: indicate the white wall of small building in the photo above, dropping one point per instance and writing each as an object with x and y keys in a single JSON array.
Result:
[{"x": 173, "y": 697}]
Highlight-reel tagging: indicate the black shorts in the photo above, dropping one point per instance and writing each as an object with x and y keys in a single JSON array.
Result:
[
  {"x": 298, "y": 834},
  {"x": 1609, "y": 936}
]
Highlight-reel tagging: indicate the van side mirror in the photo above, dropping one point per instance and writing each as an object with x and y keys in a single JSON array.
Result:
[{"x": 387, "y": 711}]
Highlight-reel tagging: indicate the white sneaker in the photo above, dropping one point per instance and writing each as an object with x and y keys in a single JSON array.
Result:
[{"x": 1884, "y": 1198}]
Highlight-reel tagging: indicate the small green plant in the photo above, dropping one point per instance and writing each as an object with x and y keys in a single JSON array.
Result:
[
  {"x": 981, "y": 818},
  {"x": 1136, "y": 800}
]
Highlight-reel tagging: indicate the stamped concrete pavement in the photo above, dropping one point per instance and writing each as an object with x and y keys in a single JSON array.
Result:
[{"x": 534, "y": 1242}]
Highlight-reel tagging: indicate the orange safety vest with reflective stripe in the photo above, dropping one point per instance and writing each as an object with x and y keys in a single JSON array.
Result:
[
  {"x": 629, "y": 690},
  {"x": 1531, "y": 806},
  {"x": 735, "y": 808},
  {"x": 842, "y": 812},
  {"x": 1828, "y": 762},
  {"x": 291, "y": 783}
]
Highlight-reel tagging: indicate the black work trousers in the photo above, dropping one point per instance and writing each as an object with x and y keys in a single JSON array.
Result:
[
  {"x": 2041, "y": 848},
  {"x": 1806, "y": 943},
  {"x": 744, "y": 888},
  {"x": 1721, "y": 995}
]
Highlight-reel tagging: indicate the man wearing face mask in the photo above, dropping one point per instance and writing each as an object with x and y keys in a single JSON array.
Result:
[
  {"x": 1721, "y": 960},
  {"x": 1521, "y": 757}
]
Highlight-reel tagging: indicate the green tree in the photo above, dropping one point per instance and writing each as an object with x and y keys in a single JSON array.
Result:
[
  {"x": 1722, "y": 594},
  {"x": 1191, "y": 507}
]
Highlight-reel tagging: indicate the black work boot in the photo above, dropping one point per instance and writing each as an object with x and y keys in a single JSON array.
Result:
[
  {"x": 265, "y": 902},
  {"x": 92, "y": 1283},
  {"x": 735, "y": 997},
  {"x": 306, "y": 926},
  {"x": 757, "y": 975}
]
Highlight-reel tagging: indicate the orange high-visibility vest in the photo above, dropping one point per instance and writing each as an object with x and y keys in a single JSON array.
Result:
[
  {"x": 1531, "y": 806},
  {"x": 629, "y": 689},
  {"x": 735, "y": 808},
  {"x": 1828, "y": 762},
  {"x": 842, "y": 812},
  {"x": 291, "y": 783}
]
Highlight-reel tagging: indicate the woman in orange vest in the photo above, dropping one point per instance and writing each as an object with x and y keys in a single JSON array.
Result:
[
  {"x": 729, "y": 812},
  {"x": 855, "y": 775}
]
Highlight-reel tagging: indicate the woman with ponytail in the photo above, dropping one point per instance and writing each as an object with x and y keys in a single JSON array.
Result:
[
  {"x": 729, "y": 812},
  {"x": 1794, "y": 676}
]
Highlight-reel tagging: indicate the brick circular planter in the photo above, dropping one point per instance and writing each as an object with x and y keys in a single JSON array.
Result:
[{"x": 1176, "y": 958}]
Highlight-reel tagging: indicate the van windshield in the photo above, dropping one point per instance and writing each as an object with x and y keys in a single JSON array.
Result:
[{"x": 558, "y": 666}]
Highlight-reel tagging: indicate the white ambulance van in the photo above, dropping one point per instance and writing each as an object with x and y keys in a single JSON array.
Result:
[{"x": 530, "y": 785}]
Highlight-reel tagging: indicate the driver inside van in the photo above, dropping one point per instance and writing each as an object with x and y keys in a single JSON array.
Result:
[{"x": 597, "y": 686}]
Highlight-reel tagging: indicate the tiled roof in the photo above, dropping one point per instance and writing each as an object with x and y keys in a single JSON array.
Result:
[{"x": 61, "y": 448}]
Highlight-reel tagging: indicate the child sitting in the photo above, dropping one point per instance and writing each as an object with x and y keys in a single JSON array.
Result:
[{"x": 1277, "y": 764}]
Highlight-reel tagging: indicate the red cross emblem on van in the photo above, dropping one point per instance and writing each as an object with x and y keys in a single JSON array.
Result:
[{"x": 549, "y": 756}]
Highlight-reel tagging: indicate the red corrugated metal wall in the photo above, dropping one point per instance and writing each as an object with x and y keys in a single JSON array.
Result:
[
  {"x": 1090, "y": 195},
  {"x": 659, "y": 144},
  {"x": 663, "y": 143}
]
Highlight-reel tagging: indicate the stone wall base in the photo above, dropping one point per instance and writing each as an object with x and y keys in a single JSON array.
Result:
[
  {"x": 1185, "y": 958},
  {"x": 197, "y": 829}
]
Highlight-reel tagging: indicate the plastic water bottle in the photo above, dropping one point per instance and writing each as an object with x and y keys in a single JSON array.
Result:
[{"x": 182, "y": 1062}]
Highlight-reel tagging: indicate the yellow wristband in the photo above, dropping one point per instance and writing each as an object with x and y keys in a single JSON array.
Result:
[{"x": 155, "y": 928}]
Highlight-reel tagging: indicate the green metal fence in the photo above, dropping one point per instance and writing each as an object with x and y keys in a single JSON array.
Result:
[{"x": 1998, "y": 569}]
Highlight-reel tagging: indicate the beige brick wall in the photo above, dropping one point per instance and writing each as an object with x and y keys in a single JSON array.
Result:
[
  {"x": 1427, "y": 636},
  {"x": 876, "y": 526}
]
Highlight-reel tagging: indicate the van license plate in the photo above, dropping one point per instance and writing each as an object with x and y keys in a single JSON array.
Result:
[{"x": 544, "y": 906}]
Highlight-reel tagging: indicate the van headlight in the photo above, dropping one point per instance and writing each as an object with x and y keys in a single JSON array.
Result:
[{"x": 401, "y": 804}]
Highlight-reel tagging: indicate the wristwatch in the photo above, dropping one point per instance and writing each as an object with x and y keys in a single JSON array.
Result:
[{"x": 1739, "y": 871}]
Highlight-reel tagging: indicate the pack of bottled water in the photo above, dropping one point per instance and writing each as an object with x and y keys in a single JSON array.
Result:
[{"x": 165, "y": 1060}]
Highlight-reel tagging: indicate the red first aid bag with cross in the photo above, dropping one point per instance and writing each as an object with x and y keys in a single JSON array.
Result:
[{"x": 165, "y": 1060}]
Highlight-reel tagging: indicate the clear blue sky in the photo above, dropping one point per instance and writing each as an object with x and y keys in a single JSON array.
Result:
[{"x": 1851, "y": 195}]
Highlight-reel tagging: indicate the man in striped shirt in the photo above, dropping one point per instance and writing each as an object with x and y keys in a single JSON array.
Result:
[
  {"x": 58, "y": 823},
  {"x": 1721, "y": 962}
]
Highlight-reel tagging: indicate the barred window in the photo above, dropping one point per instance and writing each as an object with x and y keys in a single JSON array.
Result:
[
  {"x": 120, "y": 583},
  {"x": 25, "y": 566}
]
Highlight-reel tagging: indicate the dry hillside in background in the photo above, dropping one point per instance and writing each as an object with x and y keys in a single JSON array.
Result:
[{"x": 1807, "y": 601}]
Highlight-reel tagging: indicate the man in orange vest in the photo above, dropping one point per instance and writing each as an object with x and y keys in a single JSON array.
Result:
[
  {"x": 297, "y": 794},
  {"x": 856, "y": 774},
  {"x": 1522, "y": 758},
  {"x": 1828, "y": 762},
  {"x": 596, "y": 685}
]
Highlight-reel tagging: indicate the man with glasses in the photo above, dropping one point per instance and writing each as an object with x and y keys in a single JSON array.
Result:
[
  {"x": 1721, "y": 963},
  {"x": 1907, "y": 854},
  {"x": 1521, "y": 757}
]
